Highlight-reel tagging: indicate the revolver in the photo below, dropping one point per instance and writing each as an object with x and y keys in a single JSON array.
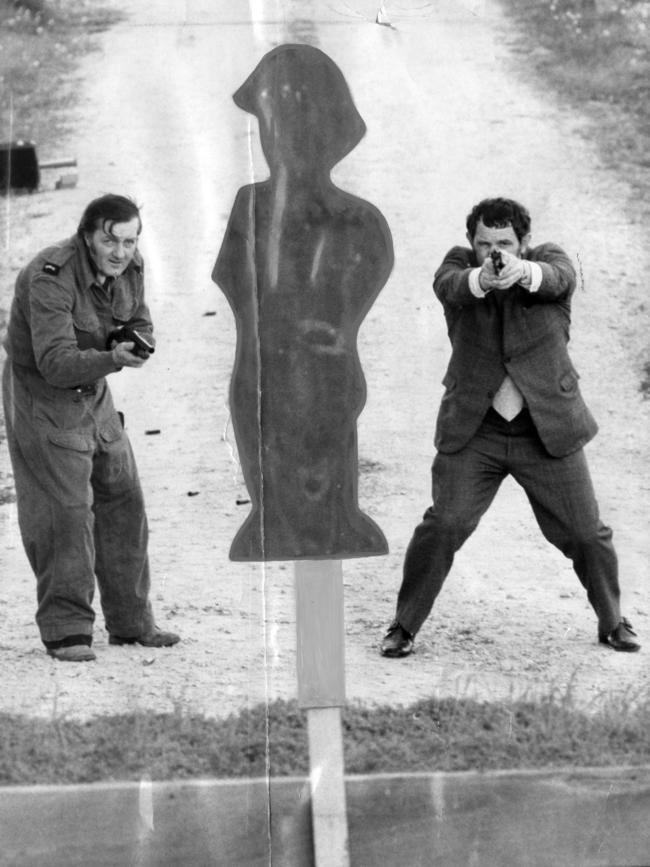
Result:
[
  {"x": 126, "y": 334},
  {"x": 497, "y": 261}
]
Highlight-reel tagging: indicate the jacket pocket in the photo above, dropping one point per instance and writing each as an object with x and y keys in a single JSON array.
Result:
[
  {"x": 66, "y": 467},
  {"x": 124, "y": 311},
  {"x": 88, "y": 330},
  {"x": 86, "y": 320},
  {"x": 111, "y": 431},
  {"x": 68, "y": 439}
]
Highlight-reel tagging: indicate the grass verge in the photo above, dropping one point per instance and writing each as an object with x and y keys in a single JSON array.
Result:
[
  {"x": 441, "y": 735},
  {"x": 41, "y": 44},
  {"x": 595, "y": 56}
]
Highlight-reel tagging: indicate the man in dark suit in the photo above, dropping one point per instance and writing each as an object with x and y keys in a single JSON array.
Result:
[{"x": 511, "y": 406}]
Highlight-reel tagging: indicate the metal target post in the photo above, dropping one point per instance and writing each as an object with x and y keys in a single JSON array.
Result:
[{"x": 320, "y": 660}]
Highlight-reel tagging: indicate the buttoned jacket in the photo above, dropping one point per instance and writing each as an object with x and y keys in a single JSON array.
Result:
[{"x": 517, "y": 332}]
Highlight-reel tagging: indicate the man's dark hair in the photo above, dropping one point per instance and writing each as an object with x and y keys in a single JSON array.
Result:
[
  {"x": 106, "y": 211},
  {"x": 497, "y": 214}
]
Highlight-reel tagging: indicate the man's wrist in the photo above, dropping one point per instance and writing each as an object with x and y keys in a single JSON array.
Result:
[
  {"x": 475, "y": 284},
  {"x": 533, "y": 275}
]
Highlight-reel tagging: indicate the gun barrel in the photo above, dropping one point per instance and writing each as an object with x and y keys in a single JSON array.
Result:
[
  {"x": 497, "y": 260},
  {"x": 58, "y": 164},
  {"x": 140, "y": 340}
]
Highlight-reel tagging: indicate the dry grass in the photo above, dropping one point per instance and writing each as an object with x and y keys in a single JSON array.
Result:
[
  {"x": 41, "y": 43},
  {"x": 595, "y": 56},
  {"x": 432, "y": 735}
]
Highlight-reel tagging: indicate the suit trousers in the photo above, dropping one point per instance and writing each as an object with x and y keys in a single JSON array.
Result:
[
  {"x": 80, "y": 507},
  {"x": 464, "y": 484}
]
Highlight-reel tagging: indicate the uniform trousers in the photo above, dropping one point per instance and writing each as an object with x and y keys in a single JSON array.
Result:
[
  {"x": 80, "y": 507},
  {"x": 464, "y": 484}
]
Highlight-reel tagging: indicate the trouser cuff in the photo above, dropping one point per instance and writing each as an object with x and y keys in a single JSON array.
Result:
[{"x": 69, "y": 641}]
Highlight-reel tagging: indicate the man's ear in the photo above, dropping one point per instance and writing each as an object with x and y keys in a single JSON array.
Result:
[
  {"x": 525, "y": 243},
  {"x": 470, "y": 239}
]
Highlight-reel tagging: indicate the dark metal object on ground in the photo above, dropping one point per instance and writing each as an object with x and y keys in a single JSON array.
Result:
[{"x": 20, "y": 168}]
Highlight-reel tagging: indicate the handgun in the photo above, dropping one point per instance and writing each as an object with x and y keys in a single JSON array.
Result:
[
  {"x": 126, "y": 334},
  {"x": 497, "y": 261}
]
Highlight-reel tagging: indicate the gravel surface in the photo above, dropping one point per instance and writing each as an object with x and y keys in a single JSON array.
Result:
[{"x": 450, "y": 120}]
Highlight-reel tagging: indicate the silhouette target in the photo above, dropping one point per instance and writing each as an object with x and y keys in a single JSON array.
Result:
[{"x": 301, "y": 263}]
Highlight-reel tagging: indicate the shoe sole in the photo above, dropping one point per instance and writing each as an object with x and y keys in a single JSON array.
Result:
[
  {"x": 82, "y": 657},
  {"x": 396, "y": 654},
  {"x": 629, "y": 648},
  {"x": 126, "y": 642}
]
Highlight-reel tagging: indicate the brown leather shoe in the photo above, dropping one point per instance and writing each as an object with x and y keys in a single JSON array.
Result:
[
  {"x": 621, "y": 638},
  {"x": 155, "y": 638},
  {"x": 72, "y": 653},
  {"x": 397, "y": 641}
]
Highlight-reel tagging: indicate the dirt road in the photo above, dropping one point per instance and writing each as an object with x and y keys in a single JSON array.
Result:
[{"x": 450, "y": 120}]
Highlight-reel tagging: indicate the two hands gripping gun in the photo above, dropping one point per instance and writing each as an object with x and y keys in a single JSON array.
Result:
[{"x": 126, "y": 334}]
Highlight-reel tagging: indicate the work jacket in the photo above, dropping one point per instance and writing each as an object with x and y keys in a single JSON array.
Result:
[{"x": 61, "y": 317}]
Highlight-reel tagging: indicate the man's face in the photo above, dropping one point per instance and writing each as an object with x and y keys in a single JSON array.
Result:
[
  {"x": 111, "y": 251},
  {"x": 489, "y": 238}
]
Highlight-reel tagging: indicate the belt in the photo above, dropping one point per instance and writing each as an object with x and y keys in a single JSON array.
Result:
[{"x": 91, "y": 388}]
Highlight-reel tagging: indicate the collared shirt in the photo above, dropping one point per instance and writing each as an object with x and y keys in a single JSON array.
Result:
[{"x": 61, "y": 316}]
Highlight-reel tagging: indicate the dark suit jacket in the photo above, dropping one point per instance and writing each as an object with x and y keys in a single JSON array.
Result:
[{"x": 517, "y": 332}]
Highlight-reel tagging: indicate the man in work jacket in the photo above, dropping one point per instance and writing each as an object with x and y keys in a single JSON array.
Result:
[
  {"x": 80, "y": 505},
  {"x": 511, "y": 406}
]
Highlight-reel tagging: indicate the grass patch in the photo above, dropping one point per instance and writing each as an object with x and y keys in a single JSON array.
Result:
[
  {"x": 41, "y": 42},
  {"x": 596, "y": 55},
  {"x": 40, "y": 46},
  {"x": 441, "y": 735}
]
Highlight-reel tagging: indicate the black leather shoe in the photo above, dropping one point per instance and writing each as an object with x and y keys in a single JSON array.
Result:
[
  {"x": 397, "y": 641},
  {"x": 621, "y": 638},
  {"x": 155, "y": 638}
]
